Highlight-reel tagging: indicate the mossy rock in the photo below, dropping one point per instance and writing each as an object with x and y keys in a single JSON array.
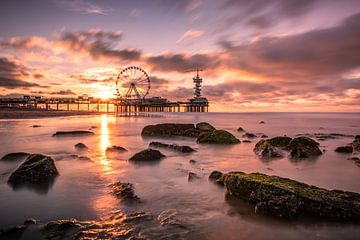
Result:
[
  {"x": 147, "y": 155},
  {"x": 204, "y": 127},
  {"x": 217, "y": 137},
  {"x": 167, "y": 130},
  {"x": 280, "y": 141},
  {"x": 303, "y": 147},
  {"x": 344, "y": 149},
  {"x": 36, "y": 169},
  {"x": 286, "y": 198},
  {"x": 14, "y": 156}
]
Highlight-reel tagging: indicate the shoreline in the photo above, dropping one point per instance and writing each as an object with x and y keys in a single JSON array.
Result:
[{"x": 35, "y": 114}]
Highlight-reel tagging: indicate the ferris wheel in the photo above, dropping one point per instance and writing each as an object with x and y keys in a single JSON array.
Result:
[{"x": 132, "y": 83}]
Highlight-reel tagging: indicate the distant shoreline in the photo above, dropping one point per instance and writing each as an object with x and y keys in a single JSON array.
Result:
[{"x": 33, "y": 114}]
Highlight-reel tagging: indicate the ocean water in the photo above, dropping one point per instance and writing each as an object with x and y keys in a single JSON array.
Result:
[{"x": 81, "y": 191}]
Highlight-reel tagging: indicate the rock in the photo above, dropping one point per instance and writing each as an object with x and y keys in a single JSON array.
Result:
[
  {"x": 192, "y": 161},
  {"x": 240, "y": 129},
  {"x": 194, "y": 133},
  {"x": 286, "y": 198},
  {"x": 217, "y": 137},
  {"x": 29, "y": 221},
  {"x": 183, "y": 149},
  {"x": 84, "y": 158},
  {"x": 72, "y": 133},
  {"x": 344, "y": 149},
  {"x": 357, "y": 138},
  {"x": 147, "y": 155},
  {"x": 192, "y": 176},
  {"x": 325, "y": 136},
  {"x": 204, "y": 127},
  {"x": 124, "y": 191},
  {"x": 249, "y": 135},
  {"x": 261, "y": 122},
  {"x": 280, "y": 141},
  {"x": 246, "y": 141},
  {"x": 61, "y": 229},
  {"x": 265, "y": 149},
  {"x": 216, "y": 177},
  {"x": 356, "y": 143},
  {"x": 36, "y": 169},
  {"x": 168, "y": 129},
  {"x": 14, "y": 156},
  {"x": 303, "y": 147},
  {"x": 115, "y": 149},
  {"x": 354, "y": 158},
  {"x": 80, "y": 146},
  {"x": 36, "y": 126},
  {"x": 264, "y": 136}
]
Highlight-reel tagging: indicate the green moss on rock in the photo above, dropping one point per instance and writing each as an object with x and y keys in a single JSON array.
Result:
[
  {"x": 217, "y": 137},
  {"x": 168, "y": 129},
  {"x": 286, "y": 198}
]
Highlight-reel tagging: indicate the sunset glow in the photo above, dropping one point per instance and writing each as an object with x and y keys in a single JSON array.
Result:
[{"x": 273, "y": 56}]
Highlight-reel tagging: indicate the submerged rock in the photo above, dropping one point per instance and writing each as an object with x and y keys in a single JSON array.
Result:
[
  {"x": 36, "y": 126},
  {"x": 14, "y": 156},
  {"x": 147, "y": 155},
  {"x": 183, "y": 149},
  {"x": 168, "y": 129},
  {"x": 246, "y": 141},
  {"x": 240, "y": 129},
  {"x": 217, "y": 137},
  {"x": 204, "y": 127},
  {"x": 115, "y": 149},
  {"x": 286, "y": 198},
  {"x": 249, "y": 135},
  {"x": 191, "y": 161},
  {"x": 72, "y": 133},
  {"x": 124, "y": 191},
  {"x": 261, "y": 122},
  {"x": 216, "y": 177},
  {"x": 192, "y": 176},
  {"x": 265, "y": 149},
  {"x": 80, "y": 146},
  {"x": 303, "y": 147},
  {"x": 36, "y": 169},
  {"x": 344, "y": 149},
  {"x": 264, "y": 136}
]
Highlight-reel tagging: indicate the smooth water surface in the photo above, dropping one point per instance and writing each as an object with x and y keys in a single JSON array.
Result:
[{"x": 81, "y": 191}]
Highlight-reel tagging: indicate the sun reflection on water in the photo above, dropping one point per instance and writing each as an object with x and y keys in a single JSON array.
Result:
[{"x": 104, "y": 143}]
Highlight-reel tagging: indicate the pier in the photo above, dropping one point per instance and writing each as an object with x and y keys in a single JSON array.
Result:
[{"x": 132, "y": 87}]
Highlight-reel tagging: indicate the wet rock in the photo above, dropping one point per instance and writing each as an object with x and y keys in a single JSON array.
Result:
[
  {"x": 194, "y": 133},
  {"x": 29, "y": 221},
  {"x": 240, "y": 129},
  {"x": 286, "y": 198},
  {"x": 192, "y": 161},
  {"x": 192, "y": 176},
  {"x": 124, "y": 191},
  {"x": 168, "y": 129},
  {"x": 344, "y": 149},
  {"x": 264, "y": 136},
  {"x": 84, "y": 158},
  {"x": 249, "y": 135},
  {"x": 61, "y": 229},
  {"x": 183, "y": 149},
  {"x": 246, "y": 141},
  {"x": 147, "y": 155},
  {"x": 216, "y": 177},
  {"x": 261, "y": 122},
  {"x": 80, "y": 146},
  {"x": 280, "y": 141},
  {"x": 72, "y": 133},
  {"x": 265, "y": 149},
  {"x": 36, "y": 169},
  {"x": 217, "y": 137},
  {"x": 204, "y": 127},
  {"x": 303, "y": 147},
  {"x": 115, "y": 149},
  {"x": 14, "y": 156},
  {"x": 36, "y": 126}
]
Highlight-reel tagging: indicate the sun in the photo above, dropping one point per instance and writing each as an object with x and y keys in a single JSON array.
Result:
[{"x": 104, "y": 92}]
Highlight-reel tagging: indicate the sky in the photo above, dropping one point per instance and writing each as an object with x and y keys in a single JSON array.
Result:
[{"x": 259, "y": 55}]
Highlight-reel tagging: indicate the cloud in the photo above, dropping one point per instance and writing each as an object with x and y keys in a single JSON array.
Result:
[
  {"x": 99, "y": 44},
  {"x": 264, "y": 13},
  {"x": 188, "y": 35},
  {"x": 60, "y": 92},
  {"x": 182, "y": 6},
  {"x": 135, "y": 13},
  {"x": 182, "y": 62},
  {"x": 84, "y": 7}
]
